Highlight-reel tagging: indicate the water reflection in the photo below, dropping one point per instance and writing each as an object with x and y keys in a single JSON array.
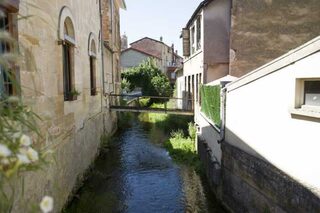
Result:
[{"x": 136, "y": 175}]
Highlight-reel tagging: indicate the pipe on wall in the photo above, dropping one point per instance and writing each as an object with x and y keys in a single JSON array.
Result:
[{"x": 102, "y": 63}]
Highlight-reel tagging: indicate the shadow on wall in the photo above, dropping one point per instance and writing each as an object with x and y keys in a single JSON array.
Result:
[{"x": 249, "y": 183}]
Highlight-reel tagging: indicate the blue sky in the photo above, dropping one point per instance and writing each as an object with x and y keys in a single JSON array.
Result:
[{"x": 155, "y": 18}]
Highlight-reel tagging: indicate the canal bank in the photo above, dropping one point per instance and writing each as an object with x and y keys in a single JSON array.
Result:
[{"x": 134, "y": 173}]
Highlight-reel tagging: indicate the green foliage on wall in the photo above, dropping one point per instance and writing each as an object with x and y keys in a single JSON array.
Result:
[
  {"x": 149, "y": 77},
  {"x": 210, "y": 102}
]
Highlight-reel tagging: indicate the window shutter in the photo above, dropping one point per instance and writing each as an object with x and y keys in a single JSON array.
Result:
[{"x": 186, "y": 41}]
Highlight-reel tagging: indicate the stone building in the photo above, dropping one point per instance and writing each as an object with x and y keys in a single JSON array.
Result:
[{"x": 69, "y": 64}]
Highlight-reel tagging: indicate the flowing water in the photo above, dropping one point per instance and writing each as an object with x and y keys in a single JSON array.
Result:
[{"x": 134, "y": 174}]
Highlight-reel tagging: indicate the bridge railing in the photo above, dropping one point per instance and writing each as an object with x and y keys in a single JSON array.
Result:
[{"x": 150, "y": 102}]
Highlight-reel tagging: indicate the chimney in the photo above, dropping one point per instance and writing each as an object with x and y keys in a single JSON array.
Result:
[
  {"x": 161, "y": 38},
  {"x": 124, "y": 42},
  {"x": 172, "y": 51}
]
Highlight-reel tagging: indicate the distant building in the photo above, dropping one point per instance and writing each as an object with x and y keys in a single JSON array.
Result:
[
  {"x": 166, "y": 57},
  {"x": 124, "y": 42},
  {"x": 132, "y": 57}
]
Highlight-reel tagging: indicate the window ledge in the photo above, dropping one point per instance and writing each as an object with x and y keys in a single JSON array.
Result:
[{"x": 314, "y": 113}]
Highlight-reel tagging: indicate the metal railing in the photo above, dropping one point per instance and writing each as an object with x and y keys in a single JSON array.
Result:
[{"x": 140, "y": 103}]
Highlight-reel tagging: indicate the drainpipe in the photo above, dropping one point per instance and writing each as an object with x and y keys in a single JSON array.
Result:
[
  {"x": 102, "y": 61},
  {"x": 223, "y": 111},
  {"x": 112, "y": 42},
  {"x": 102, "y": 46}
]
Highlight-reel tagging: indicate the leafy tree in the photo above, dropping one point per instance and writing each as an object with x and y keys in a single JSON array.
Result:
[{"x": 149, "y": 78}]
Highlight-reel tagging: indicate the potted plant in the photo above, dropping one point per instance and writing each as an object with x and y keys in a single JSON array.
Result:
[{"x": 73, "y": 94}]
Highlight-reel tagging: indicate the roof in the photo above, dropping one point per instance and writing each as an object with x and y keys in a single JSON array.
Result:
[
  {"x": 143, "y": 52},
  {"x": 199, "y": 8},
  {"x": 149, "y": 39},
  {"x": 161, "y": 42}
]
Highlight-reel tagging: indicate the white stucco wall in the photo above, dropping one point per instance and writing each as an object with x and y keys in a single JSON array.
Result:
[{"x": 259, "y": 118}]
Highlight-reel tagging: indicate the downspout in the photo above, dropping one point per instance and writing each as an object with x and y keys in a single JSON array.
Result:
[
  {"x": 223, "y": 111},
  {"x": 112, "y": 43},
  {"x": 102, "y": 61}
]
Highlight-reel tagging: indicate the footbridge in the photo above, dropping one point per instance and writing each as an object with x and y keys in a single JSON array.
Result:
[{"x": 150, "y": 104}]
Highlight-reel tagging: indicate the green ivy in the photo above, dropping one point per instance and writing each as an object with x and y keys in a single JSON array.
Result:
[{"x": 210, "y": 103}]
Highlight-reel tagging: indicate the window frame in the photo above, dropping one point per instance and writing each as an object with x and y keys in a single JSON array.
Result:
[
  {"x": 9, "y": 75},
  {"x": 93, "y": 76},
  {"x": 198, "y": 32},
  {"x": 68, "y": 57},
  {"x": 305, "y": 92},
  {"x": 68, "y": 71},
  {"x": 300, "y": 106},
  {"x": 192, "y": 40}
]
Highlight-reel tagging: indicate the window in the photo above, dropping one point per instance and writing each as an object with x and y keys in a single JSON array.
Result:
[
  {"x": 7, "y": 73},
  {"x": 197, "y": 86},
  {"x": 173, "y": 75},
  {"x": 312, "y": 93},
  {"x": 93, "y": 87},
  {"x": 70, "y": 93},
  {"x": 198, "y": 32},
  {"x": 92, "y": 58},
  {"x": 307, "y": 98},
  {"x": 192, "y": 40}
]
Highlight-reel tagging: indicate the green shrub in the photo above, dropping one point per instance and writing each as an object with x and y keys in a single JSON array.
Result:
[
  {"x": 210, "y": 103},
  {"x": 149, "y": 78},
  {"x": 192, "y": 130}
]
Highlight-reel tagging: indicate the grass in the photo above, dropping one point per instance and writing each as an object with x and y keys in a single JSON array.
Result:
[
  {"x": 182, "y": 148},
  {"x": 166, "y": 122},
  {"x": 181, "y": 132}
]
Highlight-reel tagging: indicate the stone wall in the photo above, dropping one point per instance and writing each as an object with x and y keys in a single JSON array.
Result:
[
  {"x": 244, "y": 183},
  {"x": 262, "y": 30},
  {"x": 72, "y": 129},
  {"x": 253, "y": 185}
]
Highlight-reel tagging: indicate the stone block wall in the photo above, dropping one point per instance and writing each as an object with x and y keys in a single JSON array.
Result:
[
  {"x": 262, "y": 30},
  {"x": 244, "y": 183},
  {"x": 250, "y": 184},
  {"x": 71, "y": 129}
]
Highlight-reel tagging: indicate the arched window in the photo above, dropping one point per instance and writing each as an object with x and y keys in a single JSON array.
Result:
[
  {"x": 67, "y": 38},
  {"x": 92, "y": 59},
  {"x": 8, "y": 70}
]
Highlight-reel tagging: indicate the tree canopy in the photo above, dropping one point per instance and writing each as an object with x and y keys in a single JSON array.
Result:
[{"x": 149, "y": 78}]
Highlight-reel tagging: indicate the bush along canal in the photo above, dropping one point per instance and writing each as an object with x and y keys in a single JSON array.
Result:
[{"x": 135, "y": 172}]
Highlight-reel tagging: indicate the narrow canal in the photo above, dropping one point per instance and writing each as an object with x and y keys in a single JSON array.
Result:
[{"x": 135, "y": 174}]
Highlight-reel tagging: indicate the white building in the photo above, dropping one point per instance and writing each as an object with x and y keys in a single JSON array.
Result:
[{"x": 205, "y": 47}]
